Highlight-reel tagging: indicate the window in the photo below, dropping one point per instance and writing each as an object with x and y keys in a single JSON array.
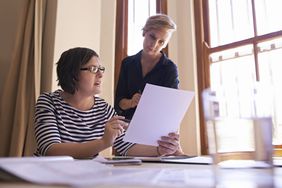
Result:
[
  {"x": 138, "y": 12},
  {"x": 242, "y": 43}
]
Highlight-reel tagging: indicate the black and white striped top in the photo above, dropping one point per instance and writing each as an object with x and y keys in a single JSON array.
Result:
[{"x": 57, "y": 122}]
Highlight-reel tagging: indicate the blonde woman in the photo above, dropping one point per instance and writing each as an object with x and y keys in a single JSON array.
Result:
[{"x": 150, "y": 65}]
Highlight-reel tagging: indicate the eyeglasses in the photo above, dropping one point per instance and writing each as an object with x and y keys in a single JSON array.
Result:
[{"x": 94, "y": 69}]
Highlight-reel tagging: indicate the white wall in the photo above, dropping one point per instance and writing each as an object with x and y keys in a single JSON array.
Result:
[
  {"x": 107, "y": 47},
  {"x": 78, "y": 24},
  {"x": 88, "y": 23},
  {"x": 182, "y": 52}
]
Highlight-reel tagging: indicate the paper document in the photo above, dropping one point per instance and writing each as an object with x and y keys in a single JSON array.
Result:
[
  {"x": 159, "y": 112},
  {"x": 70, "y": 172}
]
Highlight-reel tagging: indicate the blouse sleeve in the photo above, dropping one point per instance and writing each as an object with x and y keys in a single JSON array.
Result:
[
  {"x": 46, "y": 130},
  {"x": 172, "y": 79},
  {"x": 122, "y": 147},
  {"x": 121, "y": 89}
]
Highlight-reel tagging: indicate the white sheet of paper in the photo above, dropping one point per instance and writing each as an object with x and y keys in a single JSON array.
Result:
[
  {"x": 159, "y": 112},
  {"x": 67, "y": 171}
]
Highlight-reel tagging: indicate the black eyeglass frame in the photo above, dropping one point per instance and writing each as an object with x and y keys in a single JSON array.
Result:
[{"x": 94, "y": 69}]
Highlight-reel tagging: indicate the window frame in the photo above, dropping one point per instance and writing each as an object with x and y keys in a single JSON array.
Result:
[{"x": 203, "y": 51}]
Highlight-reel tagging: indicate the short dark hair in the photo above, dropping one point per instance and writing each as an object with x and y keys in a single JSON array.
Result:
[{"x": 69, "y": 65}]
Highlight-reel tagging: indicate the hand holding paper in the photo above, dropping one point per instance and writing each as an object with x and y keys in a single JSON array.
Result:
[{"x": 159, "y": 112}]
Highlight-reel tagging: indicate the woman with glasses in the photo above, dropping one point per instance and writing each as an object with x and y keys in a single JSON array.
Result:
[{"x": 74, "y": 121}]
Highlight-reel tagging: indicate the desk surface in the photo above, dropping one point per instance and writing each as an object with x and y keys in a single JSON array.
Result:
[{"x": 180, "y": 175}]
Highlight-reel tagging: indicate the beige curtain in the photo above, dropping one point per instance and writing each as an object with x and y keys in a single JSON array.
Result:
[{"x": 23, "y": 82}]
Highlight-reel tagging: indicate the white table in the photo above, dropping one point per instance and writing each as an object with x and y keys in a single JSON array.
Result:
[{"x": 194, "y": 176}]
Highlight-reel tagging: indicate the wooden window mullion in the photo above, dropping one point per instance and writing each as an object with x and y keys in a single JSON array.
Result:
[{"x": 121, "y": 36}]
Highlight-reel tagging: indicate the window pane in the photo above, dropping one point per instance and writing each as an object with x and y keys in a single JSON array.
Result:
[
  {"x": 138, "y": 12},
  {"x": 234, "y": 76},
  {"x": 268, "y": 15},
  {"x": 270, "y": 66},
  {"x": 233, "y": 68},
  {"x": 230, "y": 21}
]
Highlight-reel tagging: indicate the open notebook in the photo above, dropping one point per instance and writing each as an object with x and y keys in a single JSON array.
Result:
[
  {"x": 201, "y": 160},
  {"x": 197, "y": 160}
]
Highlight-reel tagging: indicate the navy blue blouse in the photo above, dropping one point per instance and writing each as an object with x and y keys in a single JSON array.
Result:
[{"x": 131, "y": 80}]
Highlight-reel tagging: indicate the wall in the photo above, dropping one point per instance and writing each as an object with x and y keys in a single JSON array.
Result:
[
  {"x": 107, "y": 47},
  {"x": 182, "y": 52},
  {"x": 78, "y": 24},
  {"x": 88, "y": 23}
]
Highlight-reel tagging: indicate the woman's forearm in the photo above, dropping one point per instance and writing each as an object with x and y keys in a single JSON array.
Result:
[
  {"x": 149, "y": 151},
  {"x": 77, "y": 150},
  {"x": 143, "y": 151}
]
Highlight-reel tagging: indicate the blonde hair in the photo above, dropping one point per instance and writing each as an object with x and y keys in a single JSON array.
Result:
[{"x": 158, "y": 22}]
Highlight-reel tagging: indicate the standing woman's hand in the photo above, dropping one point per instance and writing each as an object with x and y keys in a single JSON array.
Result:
[
  {"x": 113, "y": 129},
  {"x": 135, "y": 100}
]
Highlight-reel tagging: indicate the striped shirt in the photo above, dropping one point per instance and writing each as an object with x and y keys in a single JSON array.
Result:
[{"x": 58, "y": 122}]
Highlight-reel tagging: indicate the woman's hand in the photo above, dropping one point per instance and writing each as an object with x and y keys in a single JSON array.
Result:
[
  {"x": 126, "y": 104},
  {"x": 135, "y": 100},
  {"x": 113, "y": 129},
  {"x": 169, "y": 145}
]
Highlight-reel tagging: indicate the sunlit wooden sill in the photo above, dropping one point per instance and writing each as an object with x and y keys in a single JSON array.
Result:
[{"x": 277, "y": 150}]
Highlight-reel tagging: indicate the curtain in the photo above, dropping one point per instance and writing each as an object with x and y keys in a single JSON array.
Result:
[
  {"x": 17, "y": 95},
  {"x": 23, "y": 81}
]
